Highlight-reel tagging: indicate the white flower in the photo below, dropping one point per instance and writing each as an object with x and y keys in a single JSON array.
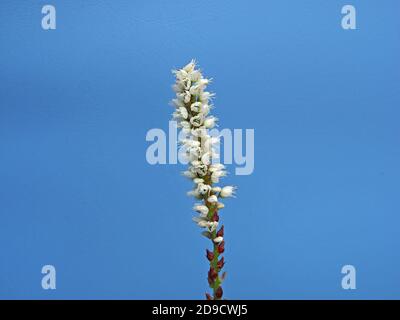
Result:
[
  {"x": 184, "y": 113},
  {"x": 216, "y": 189},
  {"x": 195, "y": 107},
  {"x": 190, "y": 143},
  {"x": 210, "y": 142},
  {"x": 198, "y": 180},
  {"x": 218, "y": 239},
  {"x": 188, "y": 174},
  {"x": 201, "y": 169},
  {"x": 187, "y": 97},
  {"x": 203, "y": 223},
  {"x": 198, "y": 219},
  {"x": 203, "y": 188},
  {"x": 190, "y": 66},
  {"x": 205, "y": 96},
  {"x": 206, "y": 158},
  {"x": 177, "y": 103},
  {"x": 216, "y": 175},
  {"x": 193, "y": 153},
  {"x": 205, "y": 109},
  {"x": 212, "y": 226},
  {"x": 195, "y": 75},
  {"x": 202, "y": 209},
  {"x": 194, "y": 193},
  {"x": 184, "y": 124},
  {"x": 216, "y": 167},
  {"x": 227, "y": 191},
  {"x": 210, "y": 122},
  {"x": 199, "y": 132},
  {"x": 220, "y": 205},
  {"x": 197, "y": 121},
  {"x": 192, "y": 113}
]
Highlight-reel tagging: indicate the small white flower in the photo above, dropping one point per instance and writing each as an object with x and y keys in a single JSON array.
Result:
[
  {"x": 200, "y": 169},
  {"x": 227, "y": 191},
  {"x": 187, "y": 97},
  {"x": 203, "y": 224},
  {"x": 197, "y": 121},
  {"x": 205, "y": 109},
  {"x": 195, "y": 90},
  {"x": 216, "y": 167},
  {"x": 212, "y": 199},
  {"x": 210, "y": 142},
  {"x": 190, "y": 66},
  {"x": 194, "y": 193},
  {"x": 195, "y": 75},
  {"x": 195, "y": 107},
  {"x": 188, "y": 174},
  {"x": 188, "y": 143},
  {"x": 184, "y": 124},
  {"x": 199, "y": 132},
  {"x": 205, "y": 96},
  {"x": 203, "y": 188},
  {"x": 193, "y": 153},
  {"x": 184, "y": 113},
  {"x": 198, "y": 219},
  {"x": 203, "y": 82},
  {"x": 218, "y": 239},
  {"x": 177, "y": 103},
  {"x": 202, "y": 209},
  {"x": 210, "y": 122},
  {"x": 212, "y": 226},
  {"x": 216, "y": 189},
  {"x": 206, "y": 158},
  {"x": 198, "y": 180},
  {"x": 220, "y": 205},
  {"x": 216, "y": 175}
]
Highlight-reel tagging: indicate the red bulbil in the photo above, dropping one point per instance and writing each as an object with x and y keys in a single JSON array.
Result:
[
  {"x": 212, "y": 274},
  {"x": 221, "y": 263},
  {"x": 220, "y": 232},
  {"x": 208, "y": 297},
  {"x": 218, "y": 293},
  {"x": 221, "y": 247},
  {"x": 209, "y": 255}
]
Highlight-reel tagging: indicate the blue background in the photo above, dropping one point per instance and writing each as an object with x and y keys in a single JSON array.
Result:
[{"x": 76, "y": 190}]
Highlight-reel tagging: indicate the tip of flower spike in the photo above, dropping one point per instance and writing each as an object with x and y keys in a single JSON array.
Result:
[{"x": 190, "y": 66}]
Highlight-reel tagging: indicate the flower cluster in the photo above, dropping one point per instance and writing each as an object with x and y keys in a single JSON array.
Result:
[{"x": 192, "y": 113}]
